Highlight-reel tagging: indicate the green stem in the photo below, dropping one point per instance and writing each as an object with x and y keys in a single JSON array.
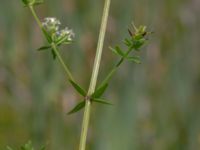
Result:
[
  {"x": 36, "y": 17},
  {"x": 114, "y": 69},
  {"x": 94, "y": 77},
  {"x": 54, "y": 47}
]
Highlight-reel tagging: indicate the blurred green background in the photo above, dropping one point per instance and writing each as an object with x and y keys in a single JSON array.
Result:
[{"x": 157, "y": 103}]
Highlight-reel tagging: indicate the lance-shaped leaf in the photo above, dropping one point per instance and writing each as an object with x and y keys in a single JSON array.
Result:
[
  {"x": 135, "y": 59},
  {"x": 99, "y": 91},
  {"x": 77, "y": 108},
  {"x": 78, "y": 88},
  {"x": 48, "y": 37},
  {"x": 117, "y": 50},
  {"x": 101, "y": 101},
  {"x": 61, "y": 40},
  {"x": 127, "y": 42},
  {"x": 44, "y": 48},
  {"x": 53, "y": 54},
  {"x": 138, "y": 43}
]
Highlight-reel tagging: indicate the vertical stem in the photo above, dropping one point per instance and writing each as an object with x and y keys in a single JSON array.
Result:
[{"x": 94, "y": 77}]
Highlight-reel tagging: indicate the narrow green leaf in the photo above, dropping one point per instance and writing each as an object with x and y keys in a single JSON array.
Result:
[
  {"x": 101, "y": 101},
  {"x": 99, "y": 91},
  {"x": 138, "y": 43},
  {"x": 53, "y": 54},
  {"x": 78, "y": 88},
  {"x": 25, "y": 2},
  {"x": 117, "y": 51},
  {"x": 43, "y": 48},
  {"x": 77, "y": 108},
  {"x": 48, "y": 37},
  {"x": 61, "y": 40},
  {"x": 127, "y": 42},
  {"x": 135, "y": 59}
]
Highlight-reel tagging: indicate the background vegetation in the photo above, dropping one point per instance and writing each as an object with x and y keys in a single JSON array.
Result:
[{"x": 156, "y": 103}]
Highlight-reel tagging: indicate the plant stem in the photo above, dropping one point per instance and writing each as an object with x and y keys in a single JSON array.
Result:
[
  {"x": 114, "y": 69},
  {"x": 36, "y": 17},
  {"x": 94, "y": 77},
  {"x": 54, "y": 47}
]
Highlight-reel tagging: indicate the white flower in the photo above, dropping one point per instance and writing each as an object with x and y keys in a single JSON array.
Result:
[
  {"x": 68, "y": 33},
  {"x": 52, "y": 25}
]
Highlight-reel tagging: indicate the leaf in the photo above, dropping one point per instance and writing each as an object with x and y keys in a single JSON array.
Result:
[
  {"x": 25, "y": 2},
  {"x": 48, "y": 37},
  {"x": 78, "y": 88},
  {"x": 61, "y": 40},
  {"x": 77, "y": 108},
  {"x": 117, "y": 50},
  {"x": 53, "y": 54},
  {"x": 43, "y": 48},
  {"x": 135, "y": 59},
  {"x": 127, "y": 42},
  {"x": 101, "y": 101},
  {"x": 138, "y": 43},
  {"x": 99, "y": 92}
]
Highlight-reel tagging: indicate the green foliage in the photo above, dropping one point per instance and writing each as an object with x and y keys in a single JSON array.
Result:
[
  {"x": 48, "y": 37},
  {"x": 78, "y": 88},
  {"x": 44, "y": 48},
  {"x": 101, "y": 101},
  {"x": 135, "y": 59},
  {"x": 133, "y": 43},
  {"x": 77, "y": 108},
  {"x": 117, "y": 50},
  {"x": 99, "y": 92}
]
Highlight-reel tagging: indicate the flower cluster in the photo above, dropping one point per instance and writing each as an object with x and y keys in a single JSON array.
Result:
[
  {"x": 134, "y": 42},
  {"x": 52, "y": 27}
]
